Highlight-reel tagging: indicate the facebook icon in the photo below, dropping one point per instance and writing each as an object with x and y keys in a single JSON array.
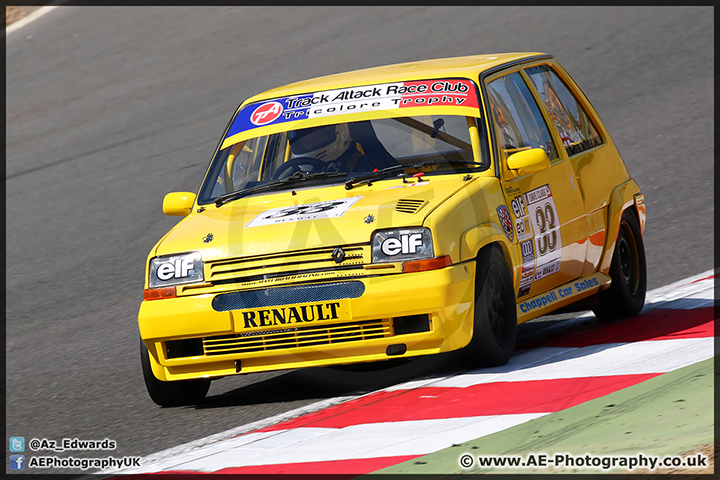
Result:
[{"x": 17, "y": 462}]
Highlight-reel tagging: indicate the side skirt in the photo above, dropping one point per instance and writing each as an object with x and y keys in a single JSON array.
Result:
[{"x": 571, "y": 292}]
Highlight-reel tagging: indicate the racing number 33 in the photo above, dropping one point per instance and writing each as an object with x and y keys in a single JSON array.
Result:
[{"x": 546, "y": 221}]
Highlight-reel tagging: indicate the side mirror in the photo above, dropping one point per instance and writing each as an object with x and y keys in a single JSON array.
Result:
[
  {"x": 178, "y": 204},
  {"x": 528, "y": 161}
]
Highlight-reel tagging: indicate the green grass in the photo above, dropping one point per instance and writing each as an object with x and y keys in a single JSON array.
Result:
[{"x": 666, "y": 415}]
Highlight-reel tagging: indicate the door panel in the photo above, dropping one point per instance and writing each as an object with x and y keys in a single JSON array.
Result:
[
  {"x": 547, "y": 207},
  {"x": 590, "y": 151}
]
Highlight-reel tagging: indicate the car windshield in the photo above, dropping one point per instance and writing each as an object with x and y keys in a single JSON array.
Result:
[{"x": 335, "y": 153}]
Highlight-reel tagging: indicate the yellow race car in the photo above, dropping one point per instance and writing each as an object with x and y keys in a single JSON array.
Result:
[{"x": 396, "y": 211}]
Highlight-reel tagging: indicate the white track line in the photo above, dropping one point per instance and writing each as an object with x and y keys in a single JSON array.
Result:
[
  {"x": 354, "y": 442},
  {"x": 30, "y": 18},
  {"x": 679, "y": 288},
  {"x": 189, "y": 448},
  {"x": 607, "y": 359}
]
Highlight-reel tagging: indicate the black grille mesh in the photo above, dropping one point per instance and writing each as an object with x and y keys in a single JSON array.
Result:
[
  {"x": 270, "y": 297},
  {"x": 297, "y": 337}
]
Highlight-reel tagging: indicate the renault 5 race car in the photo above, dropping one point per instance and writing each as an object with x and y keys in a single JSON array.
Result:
[{"x": 390, "y": 212}]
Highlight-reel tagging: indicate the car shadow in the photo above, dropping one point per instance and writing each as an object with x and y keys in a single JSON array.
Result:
[
  {"x": 661, "y": 319},
  {"x": 666, "y": 319},
  {"x": 320, "y": 383}
]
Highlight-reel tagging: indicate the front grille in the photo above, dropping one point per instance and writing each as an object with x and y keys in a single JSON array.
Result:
[
  {"x": 284, "y": 264},
  {"x": 409, "y": 205},
  {"x": 270, "y": 297},
  {"x": 296, "y": 337}
]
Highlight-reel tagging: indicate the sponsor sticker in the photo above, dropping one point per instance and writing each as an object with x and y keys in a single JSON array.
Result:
[
  {"x": 288, "y": 317},
  {"x": 525, "y": 284},
  {"x": 528, "y": 255},
  {"x": 308, "y": 211},
  {"x": 523, "y": 226},
  {"x": 512, "y": 191},
  {"x": 534, "y": 196},
  {"x": 266, "y": 113},
  {"x": 407, "y": 244},
  {"x": 547, "y": 269},
  {"x": 545, "y": 221},
  {"x": 176, "y": 269},
  {"x": 384, "y": 96},
  {"x": 518, "y": 206},
  {"x": 565, "y": 291},
  {"x": 507, "y": 224}
]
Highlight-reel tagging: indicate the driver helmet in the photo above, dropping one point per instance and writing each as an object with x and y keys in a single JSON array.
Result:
[{"x": 325, "y": 143}]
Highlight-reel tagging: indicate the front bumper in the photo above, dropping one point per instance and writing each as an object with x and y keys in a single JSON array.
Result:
[{"x": 320, "y": 333}]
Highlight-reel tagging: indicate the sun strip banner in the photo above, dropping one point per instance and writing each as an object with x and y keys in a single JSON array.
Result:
[{"x": 385, "y": 96}]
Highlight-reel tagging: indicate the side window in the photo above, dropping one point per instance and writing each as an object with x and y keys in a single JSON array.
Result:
[
  {"x": 576, "y": 130},
  {"x": 519, "y": 124}
]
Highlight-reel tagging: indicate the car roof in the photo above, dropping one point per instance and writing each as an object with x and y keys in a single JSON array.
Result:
[{"x": 464, "y": 67}]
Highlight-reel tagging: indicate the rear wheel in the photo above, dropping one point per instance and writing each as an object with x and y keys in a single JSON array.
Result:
[
  {"x": 171, "y": 394},
  {"x": 626, "y": 295},
  {"x": 495, "y": 323}
]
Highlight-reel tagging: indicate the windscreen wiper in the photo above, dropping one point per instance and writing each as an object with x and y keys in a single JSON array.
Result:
[
  {"x": 400, "y": 168},
  {"x": 297, "y": 177}
]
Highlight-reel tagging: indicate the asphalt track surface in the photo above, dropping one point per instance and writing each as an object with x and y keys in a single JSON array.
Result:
[{"x": 108, "y": 109}]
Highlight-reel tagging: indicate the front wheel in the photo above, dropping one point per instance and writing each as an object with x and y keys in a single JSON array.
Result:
[
  {"x": 495, "y": 323},
  {"x": 171, "y": 394},
  {"x": 628, "y": 278}
]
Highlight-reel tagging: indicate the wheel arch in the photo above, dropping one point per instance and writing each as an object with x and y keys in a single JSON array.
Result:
[
  {"x": 627, "y": 196},
  {"x": 504, "y": 249},
  {"x": 483, "y": 236},
  {"x": 150, "y": 349},
  {"x": 480, "y": 236}
]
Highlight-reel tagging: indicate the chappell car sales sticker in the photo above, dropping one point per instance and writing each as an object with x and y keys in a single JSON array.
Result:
[
  {"x": 308, "y": 211},
  {"x": 385, "y": 96}
]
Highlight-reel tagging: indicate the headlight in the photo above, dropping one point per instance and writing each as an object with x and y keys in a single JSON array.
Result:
[
  {"x": 176, "y": 269},
  {"x": 401, "y": 244}
]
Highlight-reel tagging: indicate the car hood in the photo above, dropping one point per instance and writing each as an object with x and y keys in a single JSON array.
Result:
[{"x": 308, "y": 218}]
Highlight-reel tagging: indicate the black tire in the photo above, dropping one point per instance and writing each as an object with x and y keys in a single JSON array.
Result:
[
  {"x": 628, "y": 285},
  {"x": 495, "y": 323},
  {"x": 171, "y": 394}
]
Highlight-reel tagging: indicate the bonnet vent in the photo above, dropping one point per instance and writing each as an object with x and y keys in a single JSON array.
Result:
[{"x": 409, "y": 205}]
